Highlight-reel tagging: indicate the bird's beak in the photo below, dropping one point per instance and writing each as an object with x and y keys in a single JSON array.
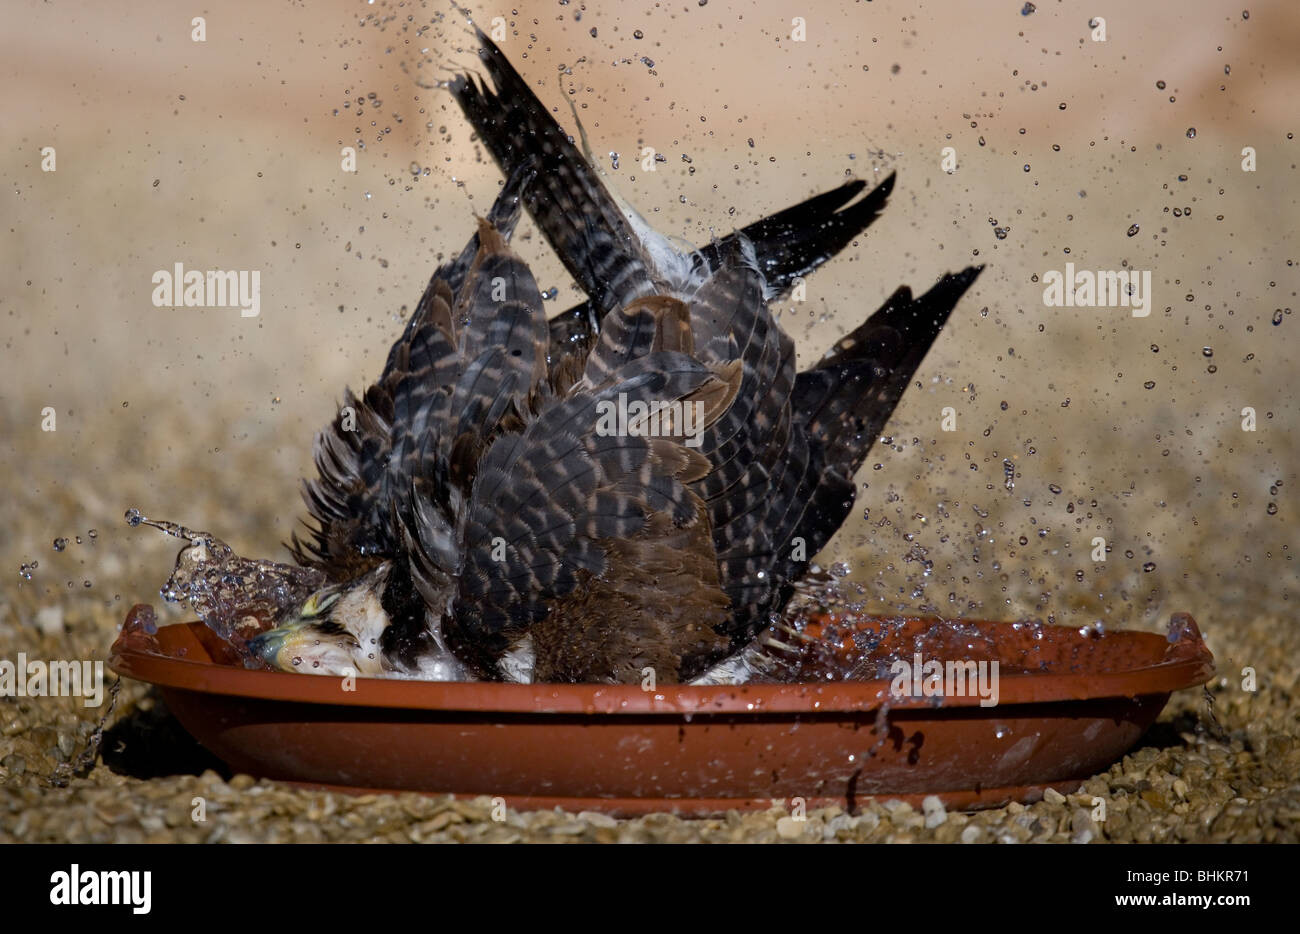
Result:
[
  {"x": 285, "y": 646},
  {"x": 279, "y": 647},
  {"x": 311, "y": 641}
]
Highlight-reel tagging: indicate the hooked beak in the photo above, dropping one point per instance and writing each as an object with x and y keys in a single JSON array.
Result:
[
  {"x": 310, "y": 641},
  {"x": 279, "y": 647}
]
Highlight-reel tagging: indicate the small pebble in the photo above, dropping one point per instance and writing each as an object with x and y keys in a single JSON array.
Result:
[
  {"x": 935, "y": 813},
  {"x": 788, "y": 828}
]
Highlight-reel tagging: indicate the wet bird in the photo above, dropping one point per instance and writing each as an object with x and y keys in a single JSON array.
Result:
[{"x": 638, "y": 483}]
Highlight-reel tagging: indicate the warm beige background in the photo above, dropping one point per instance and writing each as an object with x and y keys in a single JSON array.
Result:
[{"x": 225, "y": 154}]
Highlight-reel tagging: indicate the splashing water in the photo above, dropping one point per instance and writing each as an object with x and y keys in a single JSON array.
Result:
[{"x": 237, "y": 598}]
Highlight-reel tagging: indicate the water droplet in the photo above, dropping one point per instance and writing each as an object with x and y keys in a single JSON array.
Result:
[
  {"x": 133, "y": 517},
  {"x": 60, "y": 544},
  {"x": 1149, "y": 566},
  {"x": 1160, "y": 85},
  {"x": 1272, "y": 509},
  {"x": 1027, "y": 9},
  {"x": 1132, "y": 231},
  {"x": 1277, "y": 317},
  {"x": 1191, "y": 132},
  {"x": 1207, "y": 351},
  {"x": 638, "y": 34}
]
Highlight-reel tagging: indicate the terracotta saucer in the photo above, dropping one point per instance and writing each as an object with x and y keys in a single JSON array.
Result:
[{"x": 1069, "y": 704}]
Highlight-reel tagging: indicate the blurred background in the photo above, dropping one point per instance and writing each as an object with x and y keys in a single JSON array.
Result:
[{"x": 226, "y": 154}]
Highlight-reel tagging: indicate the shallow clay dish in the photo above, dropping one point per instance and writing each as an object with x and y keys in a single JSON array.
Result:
[{"x": 1071, "y": 703}]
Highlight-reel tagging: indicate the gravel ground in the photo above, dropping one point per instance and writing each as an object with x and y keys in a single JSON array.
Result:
[{"x": 227, "y": 157}]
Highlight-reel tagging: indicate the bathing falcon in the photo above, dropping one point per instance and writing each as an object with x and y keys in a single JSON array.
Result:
[{"x": 475, "y": 517}]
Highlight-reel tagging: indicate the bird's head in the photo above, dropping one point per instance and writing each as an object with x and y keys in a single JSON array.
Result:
[
  {"x": 376, "y": 625},
  {"x": 338, "y": 630}
]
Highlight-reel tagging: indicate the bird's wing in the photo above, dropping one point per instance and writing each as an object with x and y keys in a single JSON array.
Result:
[
  {"x": 369, "y": 459},
  {"x": 846, "y": 397},
  {"x": 567, "y": 200},
  {"x": 503, "y": 217},
  {"x": 502, "y": 329},
  {"x": 784, "y": 455},
  {"x": 573, "y": 332},
  {"x": 794, "y": 242},
  {"x": 843, "y": 402}
]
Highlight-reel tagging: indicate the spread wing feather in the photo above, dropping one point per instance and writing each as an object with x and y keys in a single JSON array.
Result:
[
  {"x": 567, "y": 200},
  {"x": 373, "y": 456}
]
